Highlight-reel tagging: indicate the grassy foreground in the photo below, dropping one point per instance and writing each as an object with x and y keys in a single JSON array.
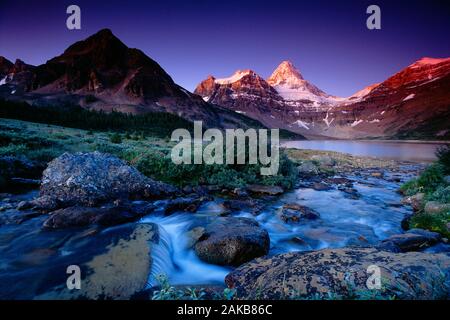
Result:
[{"x": 146, "y": 151}]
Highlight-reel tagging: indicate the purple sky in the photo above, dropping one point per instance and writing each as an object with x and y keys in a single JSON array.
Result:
[{"x": 327, "y": 40}]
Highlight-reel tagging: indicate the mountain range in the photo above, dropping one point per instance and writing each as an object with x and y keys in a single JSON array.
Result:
[
  {"x": 102, "y": 73},
  {"x": 414, "y": 103}
]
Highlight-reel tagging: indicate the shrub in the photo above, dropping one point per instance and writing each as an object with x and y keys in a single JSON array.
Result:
[
  {"x": 443, "y": 155},
  {"x": 115, "y": 138},
  {"x": 442, "y": 194},
  {"x": 13, "y": 150},
  {"x": 161, "y": 167},
  {"x": 433, "y": 222}
]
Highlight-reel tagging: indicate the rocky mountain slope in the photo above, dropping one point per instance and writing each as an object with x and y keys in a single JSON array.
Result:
[
  {"x": 102, "y": 73},
  {"x": 413, "y": 103}
]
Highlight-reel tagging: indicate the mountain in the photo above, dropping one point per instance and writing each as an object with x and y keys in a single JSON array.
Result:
[
  {"x": 285, "y": 100},
  {"x": 296, "y": 91},
  {"x": 5, "y": 67},
  {"x": 414, "y": 103},
  {"x": 102, "y": 73}
]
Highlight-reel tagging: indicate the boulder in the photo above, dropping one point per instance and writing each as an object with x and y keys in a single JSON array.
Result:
[
  {"x": 413, "y": 240},
  {"x": 252, "y": 206},
  {"x": 308, "y": 168},
  {"x": 318, "y": 186},
  {"x": 294, "y": 213},
  {"x": 265, "y": 190},
  {"x": 232, "y": 241},
  {"x": 415, "y": 201},
  {"x": 89, "y": 179},
  {"x": 342, "y": 273},
  {"x": 434, "y": 207},
  {"x": 115, "y": 264},
  {"x": 377, "y": 174},
  {"x": 189, "y": 204},
  {"x": 15, "y": 170},
  {"x": 109, "y": 215},
  {"x": 324, "y": 160}
]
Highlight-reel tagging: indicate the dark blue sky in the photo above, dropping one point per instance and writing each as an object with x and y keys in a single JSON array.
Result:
[{"x": 327, "y": 40}]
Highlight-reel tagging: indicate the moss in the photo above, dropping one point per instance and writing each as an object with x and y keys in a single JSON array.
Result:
[{"x": 432, "y": 222}]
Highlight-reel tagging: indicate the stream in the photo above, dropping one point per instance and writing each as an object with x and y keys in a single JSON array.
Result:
[
  {"x": 29, "y": 255},
  {"x": 344, "y": 221}
]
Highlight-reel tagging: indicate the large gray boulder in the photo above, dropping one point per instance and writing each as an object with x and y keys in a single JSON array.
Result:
[
  {"x": 232, "y": 241},
  {"x": 343, "y": 273},
  {"x": 89, "y": 179}
]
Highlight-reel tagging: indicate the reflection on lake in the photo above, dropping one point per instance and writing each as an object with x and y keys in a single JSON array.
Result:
[{"x": 405, "y": 151}]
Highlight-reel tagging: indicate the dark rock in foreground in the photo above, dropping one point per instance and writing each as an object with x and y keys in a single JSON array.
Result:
[
  {"x": 232, "y": 241},
  {"x": 342, "y": 273},
  {"x": 18, "y": 170},
  {"x": 84, "y": 216},
  {"x": 413, "y": 240},
  {"x": 89, "y": 179},
  {"x": 189, "y": 204}
]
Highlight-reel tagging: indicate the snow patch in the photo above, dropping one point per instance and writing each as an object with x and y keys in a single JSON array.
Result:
[
  {"x": 239, "y": 111},
  {"x": 411, "y": 96},
  {"x": 3, "y": 81},
  {"x": 431, "y": 61},
  {"x": 302, "y": 124},
  {"x": 374, "y": 121},
  {"x": 238, "y": 75},
  {"x": 328, "y": 122},
  {"x": 356, "y": 122}
]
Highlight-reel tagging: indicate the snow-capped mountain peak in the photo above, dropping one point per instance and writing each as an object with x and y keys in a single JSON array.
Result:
[
  {"x": 238, "y": 75},
  {"x": 292, "y": 87},
  {"x": 285, "y": 74},
  {"x": 430, "y": 61},
  {"x": 362, "y": 93}
]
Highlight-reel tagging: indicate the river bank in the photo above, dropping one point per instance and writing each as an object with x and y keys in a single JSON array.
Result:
[
  {"x": 339, "y": 201},
  {"x": 135, "y": 237}
]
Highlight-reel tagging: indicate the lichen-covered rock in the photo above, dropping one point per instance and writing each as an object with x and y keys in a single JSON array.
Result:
[
  {"x": 115, "y": 264},
  {"x": 92, "y": 178},
  {"x": 308, "y": 168},
  {"x": 415, "y": 201},
  {"x": 343, "y": 273},
  {"x": 434, "y": 207},
  {"x": 324, "y": 160},
  {"x": 232, "y": 241}
]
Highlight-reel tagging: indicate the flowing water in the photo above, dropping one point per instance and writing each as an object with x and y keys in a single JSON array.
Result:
[{"x": 344, "y": 221}]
